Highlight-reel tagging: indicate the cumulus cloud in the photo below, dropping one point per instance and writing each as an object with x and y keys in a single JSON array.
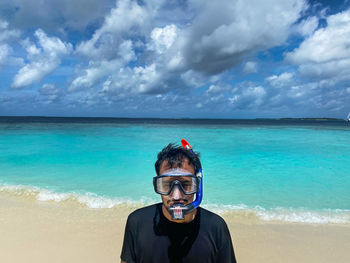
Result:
[
  {"x": 112, "y": 46},
  {"x": 250, "y": 67},
  {"x": 157, "y": 62},
  {"x": 6, "y": 33},
  {"x": 296, "y": 92},
  {"x": 323, "y": 63},
  {"x": 214, "y": 89},
  {"x": 140, "y": 80},
  {"x": 282, "y": 80},
  {"x": 43, "y": 59},
  {"x": 122, "y": 20},
  {"x": 194, "y": 79},
  {"x": 98, "y": 69},
  {"x": 210, "y": 44},
  {"x": 326, "y": 53},
  {"x": 163, "y": 38},
  {"x": 6, "y": 52},
  {"x": 226, "y": 31},
  {"x": 307, "y": 26},
  {"x": 247, "y": 96}
]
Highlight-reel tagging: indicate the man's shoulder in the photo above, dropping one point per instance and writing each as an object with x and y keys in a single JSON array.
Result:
[
  {"x": 143, "y": 212},
  {"x": 215, "y": 226},
  {"x": 145, "y": 209},
  {"x": 212, "y": 218}
]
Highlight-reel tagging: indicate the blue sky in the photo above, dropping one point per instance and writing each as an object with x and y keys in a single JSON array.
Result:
[{"x": 156, "y": 58}]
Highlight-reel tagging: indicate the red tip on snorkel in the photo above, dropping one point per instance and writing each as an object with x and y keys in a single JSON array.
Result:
[{"x": 185, "y": 144}]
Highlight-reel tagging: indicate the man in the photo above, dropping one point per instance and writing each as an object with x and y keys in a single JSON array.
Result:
[{"x": 177, "y": 230}]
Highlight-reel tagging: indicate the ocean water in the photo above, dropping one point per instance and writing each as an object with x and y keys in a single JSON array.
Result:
[{"x": 294, "y": 171}]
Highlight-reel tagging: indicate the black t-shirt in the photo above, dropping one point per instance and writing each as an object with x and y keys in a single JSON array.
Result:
[{"x": 150, "y": 237}]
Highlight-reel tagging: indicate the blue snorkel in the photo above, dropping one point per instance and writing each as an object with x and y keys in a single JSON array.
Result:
[
  {"x": 178, "y": 211},
  {"x": 199, "y": 194}
]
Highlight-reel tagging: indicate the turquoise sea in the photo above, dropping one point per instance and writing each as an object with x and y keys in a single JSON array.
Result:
[{"x": 287, "y": 170}]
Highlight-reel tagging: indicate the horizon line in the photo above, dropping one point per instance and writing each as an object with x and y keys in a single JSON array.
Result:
[{"x": 172, "y": 118}]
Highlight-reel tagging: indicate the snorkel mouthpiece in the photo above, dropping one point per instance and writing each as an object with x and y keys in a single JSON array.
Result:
[{"x": 177, "y": 211}]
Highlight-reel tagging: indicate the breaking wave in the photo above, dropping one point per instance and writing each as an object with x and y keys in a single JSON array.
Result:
[{"x": 94, "y": 201}]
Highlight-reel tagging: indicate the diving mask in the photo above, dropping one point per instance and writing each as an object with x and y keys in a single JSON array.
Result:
[{"x": 187, "y": 182}]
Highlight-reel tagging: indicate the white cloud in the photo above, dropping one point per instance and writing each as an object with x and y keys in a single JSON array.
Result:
[
  {"x": 6, "y": 51},
  {"x": 97, "y": 70},
  {"x": 307, "y": 26},
  {"x": 296, "y": 92},
  {"x": 221, "y": 34},
  {"x": 226, "y": 31},
  {"x": 281, "y": 80},
  {"x": 122, "y": 20},
  {"x": 136, "y": 80},
  {"x": 166, "y": 44},
  {"x": 217, "y": 98},
  {"x": 193, "y": 79},
  {"x": 7, "y": 58},
  {"x": 163, "y": 38},
  {"x": 257, "y": 92},
  {"x": 43, "y": 59},
  {"x": 250, "y": 67},
  {"x": 326, "y": 44},
  {"x": 216, "y": 89},
  {"x": 6, "y": 33},
  {"x": 326, "y": 53},
  {"x": 247, "y": 96},
  {"x": 111, "y": 47},
  {"x": 234, "y": 99},
  {"x": 146, "y": 77},
  {"x": 213, "y": 89}
]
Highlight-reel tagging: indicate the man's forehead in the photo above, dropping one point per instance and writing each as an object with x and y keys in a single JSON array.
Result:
[
  {"x": 185, "y": 165},
  {"x": 176, "y": 171}
]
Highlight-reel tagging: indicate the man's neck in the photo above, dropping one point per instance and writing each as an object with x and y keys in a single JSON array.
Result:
[{"x": 188, "y": 217}]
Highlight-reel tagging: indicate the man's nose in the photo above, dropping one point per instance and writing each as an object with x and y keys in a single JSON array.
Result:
[{"x": 176, "y": 193}]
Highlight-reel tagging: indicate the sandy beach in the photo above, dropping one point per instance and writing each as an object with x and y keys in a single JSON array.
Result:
[{"x": 37, "y": 231}]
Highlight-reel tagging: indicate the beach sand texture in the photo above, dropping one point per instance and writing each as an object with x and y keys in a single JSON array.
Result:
[{"x": 36, "y": 231}]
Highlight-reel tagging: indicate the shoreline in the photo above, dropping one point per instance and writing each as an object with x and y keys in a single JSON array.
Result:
[
  {"x": 37, "y": 231},
  {"x": 238, "y": 213}
]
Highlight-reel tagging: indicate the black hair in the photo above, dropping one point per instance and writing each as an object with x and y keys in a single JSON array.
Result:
[{"x": 175, "y": 154}]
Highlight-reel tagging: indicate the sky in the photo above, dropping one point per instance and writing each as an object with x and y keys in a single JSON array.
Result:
[{"x": 175, "y": 58}]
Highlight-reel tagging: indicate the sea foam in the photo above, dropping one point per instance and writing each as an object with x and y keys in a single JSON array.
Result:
[
  {"x": 91, "y": 200},
  {"x": 94, "y": 201},
  {"x": 300, "y": 215}
]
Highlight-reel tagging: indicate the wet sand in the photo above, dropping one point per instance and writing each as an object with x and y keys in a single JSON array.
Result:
[{"x": 36, "y": 231}]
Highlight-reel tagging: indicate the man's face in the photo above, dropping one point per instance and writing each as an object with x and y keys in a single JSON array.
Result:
[{"x": 176, "y": 195}]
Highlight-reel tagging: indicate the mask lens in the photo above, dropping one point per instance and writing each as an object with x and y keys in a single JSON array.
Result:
[{"x": 188, "y": 184}]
